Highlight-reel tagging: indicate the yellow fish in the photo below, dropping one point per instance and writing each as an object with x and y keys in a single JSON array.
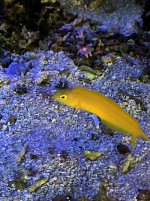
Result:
[{"x": 110, "y": 112}]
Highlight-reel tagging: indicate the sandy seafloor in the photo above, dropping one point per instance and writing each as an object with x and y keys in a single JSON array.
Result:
[{"x": 44, "y": 129}]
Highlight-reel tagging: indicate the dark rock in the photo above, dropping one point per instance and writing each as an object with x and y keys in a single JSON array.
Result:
[
  {"x": 1, "y": 116},
  {"x": 144, "y": 195},
  {"x": 12, "y": 119},
  {"x": 1, "y": 126},
  {"x": 33, "y": 156},
  {"x": 20, "y": 185},
  {"x": 19, "y": 181},
  {"x": 94, "y": 136},
  {"x": 123, "y": 149},
  {"x": 64, "y": 155},
  {"x": 146, "y": 16},
  {"x": 63, "y": 198},
  {"x": 75, "y": 139},
  {"x": 21, "y": 89},
  {"x": 102, "y": 194},
  {"x": 2, "y": 12}
]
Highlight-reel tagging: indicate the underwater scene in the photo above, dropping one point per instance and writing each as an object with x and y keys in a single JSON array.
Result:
[{"x": 74, "y": 100}]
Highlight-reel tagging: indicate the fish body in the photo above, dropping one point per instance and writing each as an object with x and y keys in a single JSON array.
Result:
[{"x": 110, "y": 112}]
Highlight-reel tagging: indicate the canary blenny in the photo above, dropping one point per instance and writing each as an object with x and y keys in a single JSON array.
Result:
[{"x": 110, "y": 112}]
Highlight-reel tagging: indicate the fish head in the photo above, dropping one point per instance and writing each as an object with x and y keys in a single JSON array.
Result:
[{"x": 66, "y": 97}]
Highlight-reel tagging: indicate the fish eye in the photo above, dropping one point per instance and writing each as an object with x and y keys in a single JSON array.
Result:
[{"x": 63, "y": 96}]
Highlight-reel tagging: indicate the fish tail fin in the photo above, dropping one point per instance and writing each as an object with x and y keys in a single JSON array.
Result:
[
  {"x": 140, "y": 133},
  {"x": 143, "y": 135}
]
